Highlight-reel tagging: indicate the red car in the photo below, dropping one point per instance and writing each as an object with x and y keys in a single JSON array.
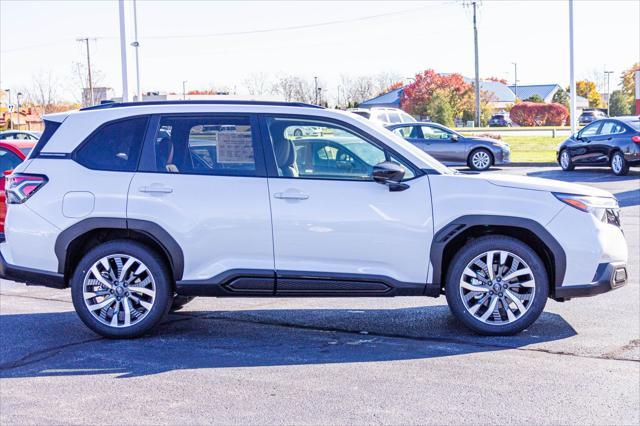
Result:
[{"x": 12, "y": 153}]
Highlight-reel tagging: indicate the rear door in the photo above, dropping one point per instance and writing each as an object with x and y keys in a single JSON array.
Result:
[
  {"x": 441, "y": 146},
  {"x": 202, "y": 179},
  {"x": 599, "y": 145}
]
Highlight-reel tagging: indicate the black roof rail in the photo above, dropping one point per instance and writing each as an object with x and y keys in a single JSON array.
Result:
[{"x": 107, "y": 105}]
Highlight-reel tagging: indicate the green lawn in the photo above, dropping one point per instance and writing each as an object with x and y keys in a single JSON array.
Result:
[{"x": 533, "y": 149}]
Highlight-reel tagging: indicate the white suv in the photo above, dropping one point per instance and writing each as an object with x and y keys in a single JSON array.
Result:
[
  {"x": 384, "y": 116},
  {"x": 140, "y": 207}
]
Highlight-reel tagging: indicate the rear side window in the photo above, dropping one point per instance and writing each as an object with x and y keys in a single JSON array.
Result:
[
  {"x": 50, "y": 128},
  {"x": 115, "y": 146},
  {"x": 8, "y": 160}
]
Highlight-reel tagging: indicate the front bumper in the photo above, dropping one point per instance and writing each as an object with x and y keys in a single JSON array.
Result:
[
  {"x": 608, "y": 276},
  {"x": 30, "y": 276}
]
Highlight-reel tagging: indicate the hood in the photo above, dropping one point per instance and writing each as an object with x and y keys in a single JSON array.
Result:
[
  {"x": 541, "y": 184},
  {"x": 491, "y": 141}
]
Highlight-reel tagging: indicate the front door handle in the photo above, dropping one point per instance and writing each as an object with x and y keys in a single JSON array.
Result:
[
  {"x": 156, "y": 189},
  {"x": 291, "y": 196}
]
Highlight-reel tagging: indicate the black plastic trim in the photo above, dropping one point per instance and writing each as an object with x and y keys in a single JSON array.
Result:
[
  {"x": 154, "y": 231},
  {"x": 109, "y": 105},
  {"x": 30, "y": 276},
  {"x": 455, "y": 227},
  {"x": 603, "y": 281}
]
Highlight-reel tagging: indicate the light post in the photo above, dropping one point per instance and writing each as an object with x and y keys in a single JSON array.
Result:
[
  {"x": 607, "y": 74},
  {"x": 315, "y": 79},
  {"x": 18, "y": 102},
  {"x": 123, "y": 52},
  {"x": 572, "y": 76},
  {"x": 184, "y": 90},
  {"x": 477, "y": 55},
  {"x": 515, "y": 79},
  {"x": 136, "y": 45},
  {"x": 9, "y": 103}
]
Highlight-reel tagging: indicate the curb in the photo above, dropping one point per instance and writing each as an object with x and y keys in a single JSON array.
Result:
[{"x": 548, "y": 164}]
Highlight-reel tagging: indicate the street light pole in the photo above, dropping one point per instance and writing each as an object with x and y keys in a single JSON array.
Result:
[
  {"x": 607, "y": 74},
  {"x": 475, "y": 40},
  {"x": 316, "y": 91},
  {"x": 136, "y": 45},
  {"x": 184, "y": 91},
  {"x": 123, "y": 53},
  {"x": 572, "y": 77},
  {"x": 18, "y": 111},
  {"x": 9, "y": 103},
  {"x": 515, "y": 79}
]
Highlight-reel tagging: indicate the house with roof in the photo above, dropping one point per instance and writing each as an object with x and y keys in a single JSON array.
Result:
[{"x": 546, "y": 92}]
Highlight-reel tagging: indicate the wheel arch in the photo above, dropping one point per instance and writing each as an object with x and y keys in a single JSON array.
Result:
[
  {"x": 76, "y": 240},
  {"x": 451, "y": 237}
]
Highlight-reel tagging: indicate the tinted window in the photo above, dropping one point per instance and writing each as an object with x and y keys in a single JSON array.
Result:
[
  {"x": 406, "y": 131},
  {"x": 208, "y": 145},
  {"x": 50, "y": 128},
  {"x": 381, "y": 116},
  {"x": 590, "y": 130},
  {"x": 406, "y": 118},
  {"x": 394, "y": 117},
  {"x": 115, "y": 146},
  {"x": 336, "y": 153},
  {"x": 8, "y": 160}
]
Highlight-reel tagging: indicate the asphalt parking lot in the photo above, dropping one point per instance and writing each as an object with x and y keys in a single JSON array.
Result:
[{"x": 331, "y": 361}]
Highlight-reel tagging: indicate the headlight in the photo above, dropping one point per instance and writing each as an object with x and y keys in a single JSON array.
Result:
[{"x": 604, "y": 209}]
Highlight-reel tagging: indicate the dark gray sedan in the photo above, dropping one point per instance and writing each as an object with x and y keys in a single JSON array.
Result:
[{"x": 451, "y": 148}]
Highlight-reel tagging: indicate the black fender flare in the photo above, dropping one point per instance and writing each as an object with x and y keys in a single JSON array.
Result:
[
  {"x": 459, "y": 225},
  {"x": 154, "y": 231}
]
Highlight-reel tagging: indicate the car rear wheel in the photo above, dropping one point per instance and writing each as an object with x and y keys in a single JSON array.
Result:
[
  {"x": 480, "y": 160},
  {"x": 565, "y": 161},
  {"x": 497, "y": 285},
  {"x": 619, "y": 165},
  {"x": 121, "y": 289}
]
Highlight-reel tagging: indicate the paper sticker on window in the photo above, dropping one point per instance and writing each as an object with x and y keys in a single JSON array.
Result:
[{"x": 234, "y": 148}]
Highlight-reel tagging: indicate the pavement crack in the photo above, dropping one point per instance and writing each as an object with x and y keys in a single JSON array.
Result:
[
  {"x": 35, "y": 297},
  {"x": 43, "y": 354}
]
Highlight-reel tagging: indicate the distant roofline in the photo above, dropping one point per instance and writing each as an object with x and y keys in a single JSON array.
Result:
[{"x": 108, "y": 105}]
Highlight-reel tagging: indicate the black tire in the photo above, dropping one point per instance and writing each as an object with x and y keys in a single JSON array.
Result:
[
  {"x": 471, "y": 164},
  {"x": 179, "y": 302},
  {"x": 482, "y": 245},
  {"x": 621, "y": 168},
  {"x": 567, "y": 166},
  {"x": 156, "y": 266}
]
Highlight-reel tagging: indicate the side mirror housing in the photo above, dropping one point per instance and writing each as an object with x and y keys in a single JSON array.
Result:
[
  {"x": 390, "y": 173},
  {"x": 454, "y": 138}
]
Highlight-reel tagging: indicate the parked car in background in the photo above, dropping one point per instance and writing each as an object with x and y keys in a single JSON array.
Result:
[
  {"x": 452, "y": 148},
  {"x": 500, "y": 120},
  {"x": 12, "y": 153},
  {"x": 590, "y": 115},
  {"x": 20, "y": 135},
  {"x": 613, "y": 141},
  {"x": 384, "y": 116}
]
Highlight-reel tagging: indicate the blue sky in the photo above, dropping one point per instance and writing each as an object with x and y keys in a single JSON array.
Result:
[{"x": 190, "y": 40}]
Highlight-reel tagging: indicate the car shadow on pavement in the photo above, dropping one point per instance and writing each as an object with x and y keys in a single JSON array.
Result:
[{"x": 57, "y": 344}]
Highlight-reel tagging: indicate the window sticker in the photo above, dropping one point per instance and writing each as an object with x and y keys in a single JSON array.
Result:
[{"x": 234, "y": 148}]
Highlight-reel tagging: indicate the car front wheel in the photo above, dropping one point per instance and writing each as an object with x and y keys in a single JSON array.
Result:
[
  {"x": 565, "y": 161},
  {"x": 497, "y": 285},
  {"x": 480, "y": 160},
  {"x": 619, "y": 165},
  {"x": 121, "y": 289}
]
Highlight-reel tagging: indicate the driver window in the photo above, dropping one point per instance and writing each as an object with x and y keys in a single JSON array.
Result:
[
  {"x": 430, "y": 132},
  {"x": 332, "y": 152},
  {"x": 590, "y": 130}
]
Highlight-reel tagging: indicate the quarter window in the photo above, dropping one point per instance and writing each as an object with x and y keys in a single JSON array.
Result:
[
  {"x": 334, "y": 152},
  {"x": 8, "y": 160},
  {"x": 207, "y": 145},
  {"x": 115, "y": 146}
]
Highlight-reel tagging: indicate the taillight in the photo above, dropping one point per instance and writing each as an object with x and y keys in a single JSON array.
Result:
[
  {"x": 636, "y": 139},
  {"x": 20, "y": 187}
]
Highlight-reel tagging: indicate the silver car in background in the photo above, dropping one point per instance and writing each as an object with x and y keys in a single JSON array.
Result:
[{"x": 452, "y": 148}]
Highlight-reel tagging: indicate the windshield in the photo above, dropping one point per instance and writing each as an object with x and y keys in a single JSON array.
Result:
[{"x": 432, "y": 162}]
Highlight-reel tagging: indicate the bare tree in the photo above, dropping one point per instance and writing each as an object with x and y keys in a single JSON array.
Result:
[
  {"x": 80, "y": 81},
  {"x": 294, "y": 89},
  {"x": 257, "y": 84},
  {"x": 44, "y": 91},
  {"x": 357, "y": 89},
  {"x": 382, "y": 81}
]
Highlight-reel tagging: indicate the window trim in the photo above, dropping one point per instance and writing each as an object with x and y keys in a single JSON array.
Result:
[
  {"x": 147, "y": 162},
  {"x": 270, "y": 159},
  {"x": 74, "y": 154}
]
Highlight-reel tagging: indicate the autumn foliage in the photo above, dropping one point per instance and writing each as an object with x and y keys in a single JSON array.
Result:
[
  {"x": 417, "y": 95},
  {"x": 536, "y": 114}
]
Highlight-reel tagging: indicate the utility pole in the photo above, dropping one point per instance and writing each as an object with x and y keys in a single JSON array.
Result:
[
  {"x": 607, "y": 74},
  {"x": 475, "y": 40},
  {"x": 515, "y": 79},
  {"x": 316, "y": 90},
  {"x": 136, "y": 45},
  {"x": 18, "y": 111},
  {"x": 572, "y": 76},
  {"x": 9, "y": 103},
  {"x": 184, "y": 90},
  {"x": 123, "y": 52},
  {"x": 89, "y": 81}
]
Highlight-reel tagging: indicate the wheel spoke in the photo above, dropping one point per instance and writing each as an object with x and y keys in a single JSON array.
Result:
[
  {"x": 127, "y": 312},
  {"x": 125, "y": 268},
  {"x": 472, "y": 287},
  {"x": 142, "y": 290},
  {"x": 102, "y": 304},
  {"x": 516, "y": 300},
  {"x": 490, "y": 265},
  {"x": 99, "y": 277},
  {"x": 490, "y": 309},
  {"x": 519, "y": 272}
]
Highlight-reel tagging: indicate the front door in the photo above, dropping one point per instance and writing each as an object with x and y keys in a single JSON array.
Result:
[
  {"x": 202, "y": 179},
  {"x": 335, "y": 229},
  {"x": 441, "y": 144},
  {"x": 581, "y": 150}
]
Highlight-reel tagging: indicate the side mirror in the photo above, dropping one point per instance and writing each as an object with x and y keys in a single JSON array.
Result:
[
  {"x": 390, "y": 173},
  {"x": 454, "y": 138}
]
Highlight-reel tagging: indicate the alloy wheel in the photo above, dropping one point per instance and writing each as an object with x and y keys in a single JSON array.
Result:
[
  {"x": 481, "y": 160},
  {"x": 617, "y": 163},
  {"x": 497, "y": 287},
  {"x": 119, "y": 290},
  {"x": 564, "y": 159}
]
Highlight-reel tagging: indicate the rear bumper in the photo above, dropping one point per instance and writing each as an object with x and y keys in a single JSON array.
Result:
[
  {"x": 609, "y": 276},
  {"x": 30, "y": 276}
]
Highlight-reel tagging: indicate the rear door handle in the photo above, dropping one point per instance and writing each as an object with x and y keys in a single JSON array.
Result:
[
  {"x": 156, "y": 189},
  {"x": 290, "y": 196}
]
